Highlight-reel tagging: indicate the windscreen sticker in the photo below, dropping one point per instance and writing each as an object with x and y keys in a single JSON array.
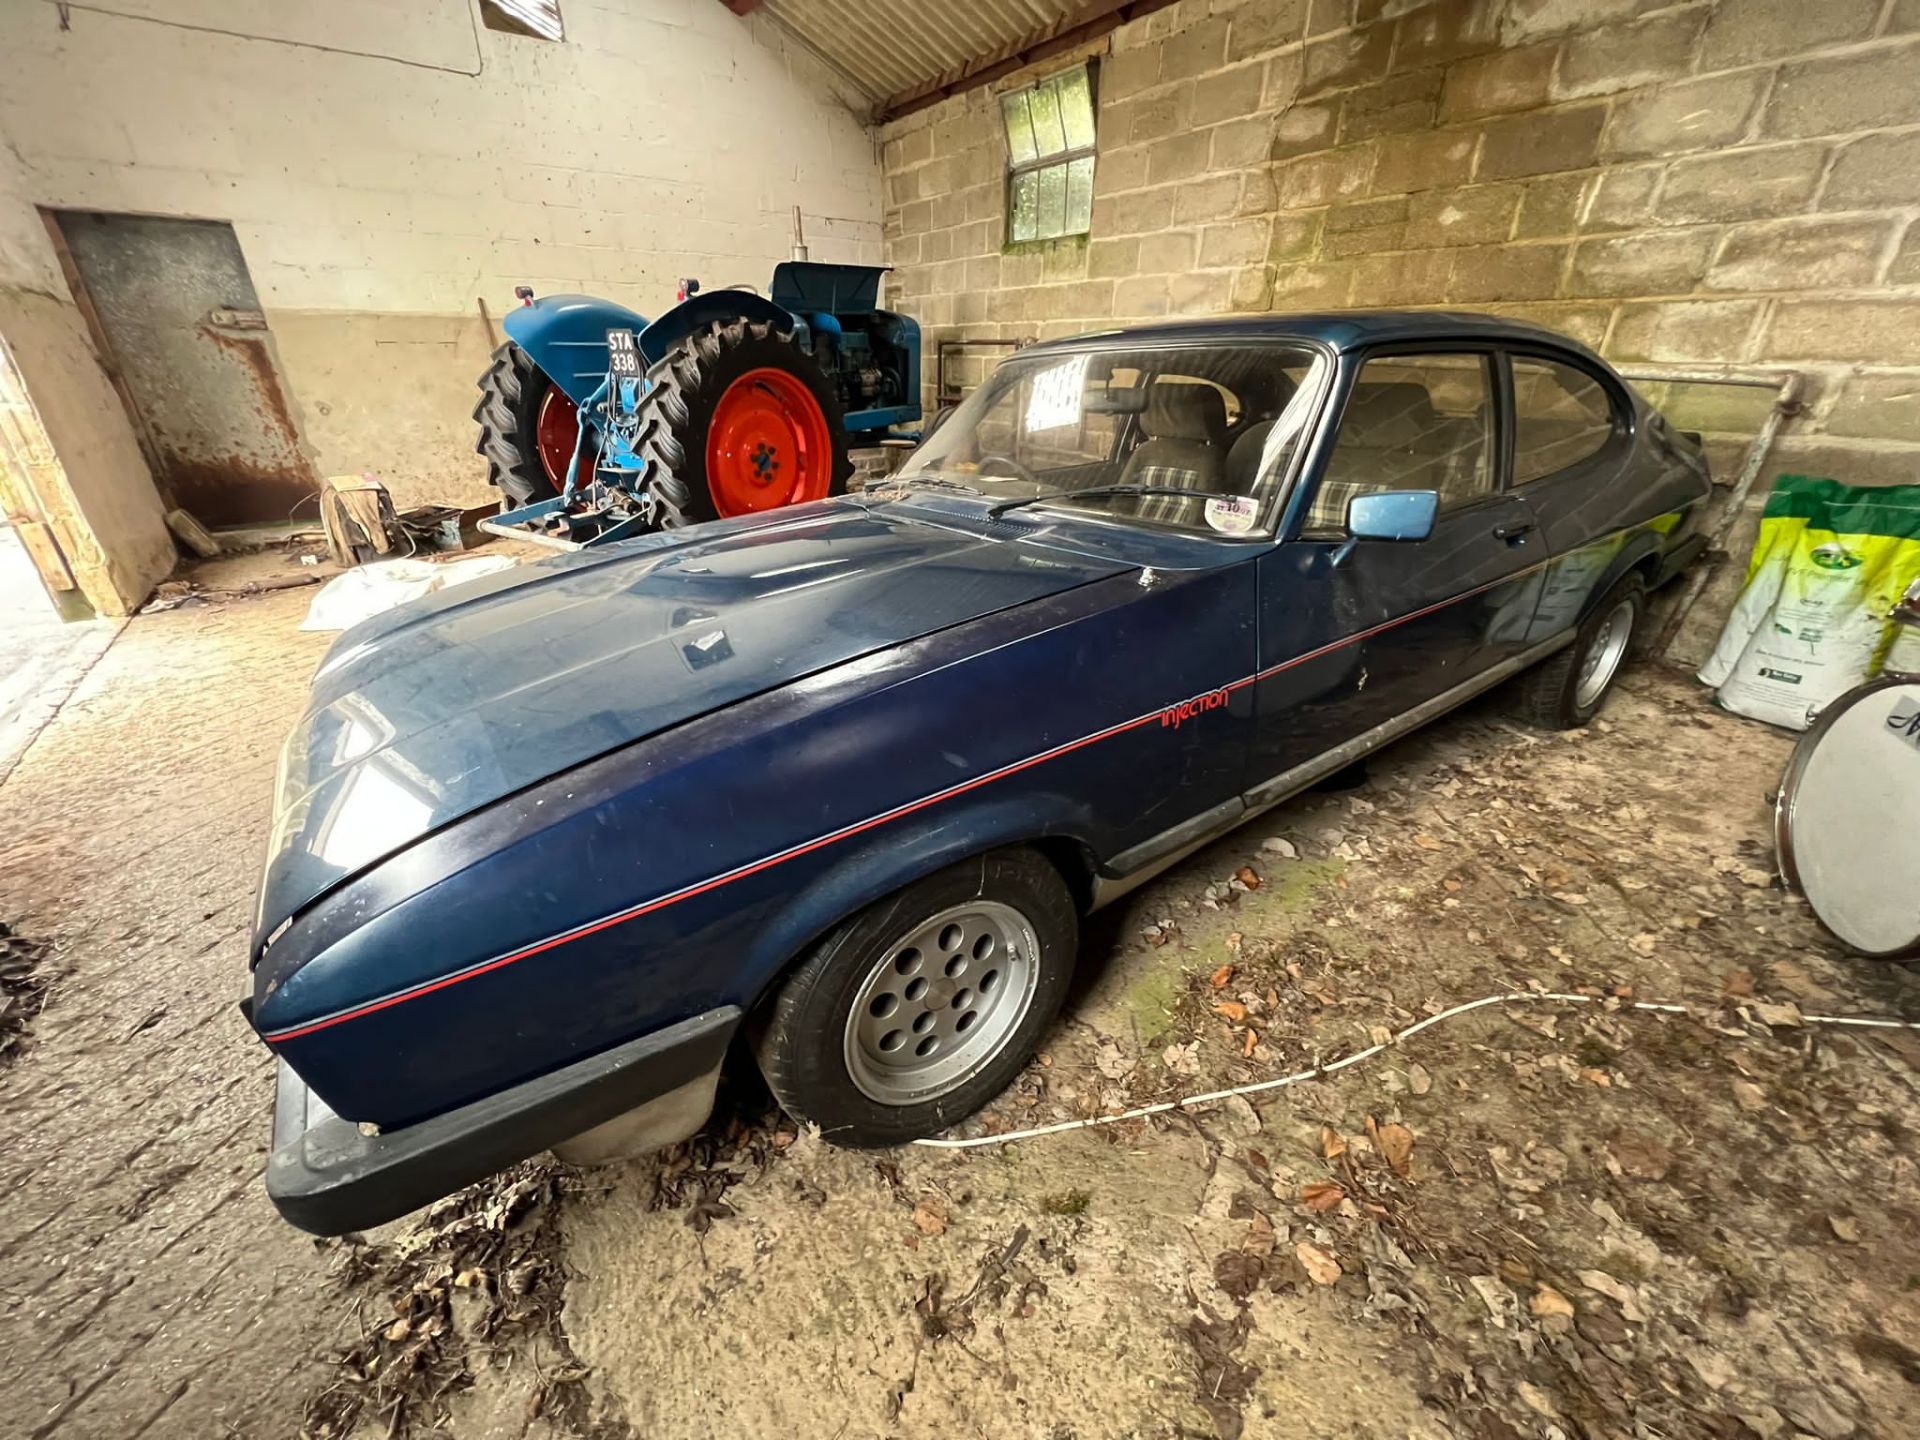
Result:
[{"x": 1232, "y": 514}]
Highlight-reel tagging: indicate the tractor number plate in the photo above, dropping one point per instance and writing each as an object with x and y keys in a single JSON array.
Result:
[{"x": 623, "y": 354}]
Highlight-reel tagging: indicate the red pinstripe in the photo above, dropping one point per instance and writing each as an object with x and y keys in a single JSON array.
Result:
[{"x": 847, "y": 832}]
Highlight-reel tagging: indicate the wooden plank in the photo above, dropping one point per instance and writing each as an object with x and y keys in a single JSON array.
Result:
[{"x": 44, "y": 551}]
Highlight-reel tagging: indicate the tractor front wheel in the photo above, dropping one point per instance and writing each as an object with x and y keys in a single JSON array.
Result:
[
  {"x": 528, "y": 428},
  {"x": 738, "y": 420}
]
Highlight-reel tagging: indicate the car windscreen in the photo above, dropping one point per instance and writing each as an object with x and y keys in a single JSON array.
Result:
[{"x": 1194, "y": 437}]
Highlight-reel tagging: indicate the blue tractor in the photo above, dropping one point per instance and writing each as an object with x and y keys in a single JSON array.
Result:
[{"x": 597, "y": 423}]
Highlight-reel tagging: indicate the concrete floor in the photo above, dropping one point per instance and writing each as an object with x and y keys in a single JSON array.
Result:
[
  {"x": 149, "y": 1290},
  {"x": 41, "y": 658},
  {"x": 148, "y": 1287}
]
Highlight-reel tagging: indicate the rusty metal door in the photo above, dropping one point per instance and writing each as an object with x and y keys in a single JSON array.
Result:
[{"x": 172, "y": 302}]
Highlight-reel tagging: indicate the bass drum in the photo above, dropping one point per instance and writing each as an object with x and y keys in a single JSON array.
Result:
[{"x": 1847, "y": 825}]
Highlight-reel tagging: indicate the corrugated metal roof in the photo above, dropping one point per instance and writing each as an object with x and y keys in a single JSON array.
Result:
[{"x": 891, "y": 46}]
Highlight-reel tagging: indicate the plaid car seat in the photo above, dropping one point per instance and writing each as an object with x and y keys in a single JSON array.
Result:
[
  {"x": 1186, "y": 425},
  {"x": 1393, "y": 439}
]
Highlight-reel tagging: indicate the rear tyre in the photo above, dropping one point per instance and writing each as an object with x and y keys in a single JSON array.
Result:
[
  {"x": 738, "y": 420},
  {"x": 527, "y": 429},
  {"x": 1568, "y": 690},
  {"x": 919, "y": 1010}
]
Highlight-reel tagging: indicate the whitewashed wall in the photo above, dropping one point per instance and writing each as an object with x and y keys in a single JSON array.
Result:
[{"x": 388, "y": 165}]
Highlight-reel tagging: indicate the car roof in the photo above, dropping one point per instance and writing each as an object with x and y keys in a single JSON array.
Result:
[{"x": 1342, "y": 329}]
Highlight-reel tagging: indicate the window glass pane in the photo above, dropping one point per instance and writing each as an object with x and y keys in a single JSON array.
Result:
[
  {"x": 1025, "y": 223},
  {"x": 1048, "y": 139},
  {"x": 1080, "y": 196},
  {"x": 1561, "y": 416},
  {"x": 1412, "y": 423},
  {"x": 539, "y": 18},
  {"x": 1217, "y": 421},
  {"x": 1019, "y": 127},
  {"x": 1053, "y": 201},
  {"x": 1076, "y": 108}
]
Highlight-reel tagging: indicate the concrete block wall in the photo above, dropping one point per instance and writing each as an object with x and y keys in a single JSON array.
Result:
[
  {"x": 387, "y": 166},
  {"x": 1716, "y": 180}
]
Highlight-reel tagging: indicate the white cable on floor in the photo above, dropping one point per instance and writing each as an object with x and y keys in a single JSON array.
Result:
[{"x": 1525, "y": 997}]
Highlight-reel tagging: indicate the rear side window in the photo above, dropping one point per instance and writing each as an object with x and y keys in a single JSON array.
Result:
[
  {"x": 1561, "y": 416},
  {"x": 1413, "y": 422}
]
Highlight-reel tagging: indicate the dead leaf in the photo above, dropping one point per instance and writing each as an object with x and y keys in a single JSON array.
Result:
[
  {"x": 929, "y": 1217},
  {"x": 1418, "y": 1079},
  {"x": 1617, "y": 1291},
  {"x": 1537, "y": 1400},
  {"x": 1395, "y": 1142},
  {"x": 1644, "y": 943},
  {"x": 1845, "y": 1227},
  {"x": 1749, "y": 1096},
  {"x": 1319, "y": 1264},
  {"x": 1427, "y": 842},
  {"x": 1549, "y": 1301},
  {"x": 1232, "y": 1011},
  {"x": 1332, "y": 1143},
  {"x": 1737, "y": 982},
  {"x": 1452, "y": 885},
  {"x": 1260, "y": 1237},
  {"x": 1783, "y": 1015},
  {"x": 1253, "y": 1039},
  {"x": 1238, "y": 1273},
  {"x": 399, "y": 1329},
  {"x": 1640, "y": 1157},
  {"x": 1182, "y": 1059},
  {"x": 1595, "y": 1076},
  {"x": 1218, "y": 980},
  {"x": 1321, "y": 1196},
  {"x": 1248, "y": 877}
]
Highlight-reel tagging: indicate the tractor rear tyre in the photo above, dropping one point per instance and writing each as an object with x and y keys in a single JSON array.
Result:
[
  {"x": 738, "y": 420},
  {"x": 528, "y": 428}
]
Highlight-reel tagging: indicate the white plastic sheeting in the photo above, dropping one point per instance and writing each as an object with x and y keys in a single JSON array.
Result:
[{"x": 368, "y": 590}]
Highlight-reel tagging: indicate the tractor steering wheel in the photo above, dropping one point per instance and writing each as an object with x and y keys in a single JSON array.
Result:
[{"x": 1011, "y": 469}]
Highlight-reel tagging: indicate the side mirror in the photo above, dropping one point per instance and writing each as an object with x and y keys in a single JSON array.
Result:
[
  {"x": 1393, "y": 515},
  {"x": 1388, "y": 515}
]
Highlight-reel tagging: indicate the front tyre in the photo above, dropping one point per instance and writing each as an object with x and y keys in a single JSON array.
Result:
[
  {"x": 1566, "y": 691},
  {"x": 919, "y": 1010}
]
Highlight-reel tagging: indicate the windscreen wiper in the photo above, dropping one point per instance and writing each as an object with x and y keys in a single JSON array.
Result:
[{"x": 1005, "y": 505}]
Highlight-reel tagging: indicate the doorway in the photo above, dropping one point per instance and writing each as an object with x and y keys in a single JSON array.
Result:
[{"x": 179, "y": 327}]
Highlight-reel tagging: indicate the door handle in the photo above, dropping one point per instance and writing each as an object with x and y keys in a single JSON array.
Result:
[{"x": 1513, "y": 534}]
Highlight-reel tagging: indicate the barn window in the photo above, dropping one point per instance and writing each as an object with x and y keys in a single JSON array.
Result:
[
  {"x": 538, "y": 18},
  {"x": 1050, "y": 157}
]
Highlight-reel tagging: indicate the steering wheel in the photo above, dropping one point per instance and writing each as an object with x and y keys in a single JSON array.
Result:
[{"x": 1010, "y": 468}]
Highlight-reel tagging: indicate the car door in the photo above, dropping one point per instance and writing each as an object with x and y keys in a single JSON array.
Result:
[
  {"x": 1355, "y": 635},
  {"x": 1570, "y": 440}
]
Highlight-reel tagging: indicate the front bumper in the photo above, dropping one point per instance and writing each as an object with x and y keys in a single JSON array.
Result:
[{"x": 327, "y": 1177}]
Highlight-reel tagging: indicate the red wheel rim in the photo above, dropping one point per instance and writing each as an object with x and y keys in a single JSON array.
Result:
[
  {"x": 556, "y": 430},
  {"x": 769, "y": 444}
]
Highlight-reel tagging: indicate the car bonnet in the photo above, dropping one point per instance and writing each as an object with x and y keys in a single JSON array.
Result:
[{"x": 440, "y": 708}]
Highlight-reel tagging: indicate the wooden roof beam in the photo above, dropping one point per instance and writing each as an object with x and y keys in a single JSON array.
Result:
[{"x": 1066, "y": 34}]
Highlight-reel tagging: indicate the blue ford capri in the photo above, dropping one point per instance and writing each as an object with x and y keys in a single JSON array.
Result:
[{"x": 840, "y": 781}]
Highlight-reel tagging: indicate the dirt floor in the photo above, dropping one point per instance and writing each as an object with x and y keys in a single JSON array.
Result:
[{"x": 1536, "y": 1219}]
